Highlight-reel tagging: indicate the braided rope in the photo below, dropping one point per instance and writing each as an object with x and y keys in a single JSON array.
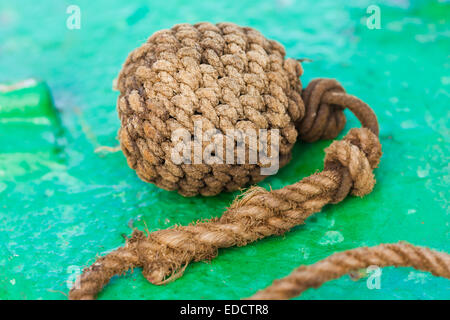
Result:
[
  {"x": 245, "y": 80},
  {"x": 259, "y": 213},
  {"x": 225, "y": 77},
  {"x": 232, "y": 77},
  {"x": 339, "y": 264}
]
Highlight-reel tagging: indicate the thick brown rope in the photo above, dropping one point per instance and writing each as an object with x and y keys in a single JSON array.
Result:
[
  {"x": 339, "y": 264},
  {"x": 257, "y": 214},
  {"x": 224, "y": 76},
  {"x": 325, "y": 100}
]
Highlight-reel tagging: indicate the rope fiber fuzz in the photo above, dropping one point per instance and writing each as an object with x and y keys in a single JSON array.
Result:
[
  {"x": 259, "y": 213},
  {"x": 233, "y": 77},
  {"x": 224, "y": 78},
  {"x": 339, "y": 264}
]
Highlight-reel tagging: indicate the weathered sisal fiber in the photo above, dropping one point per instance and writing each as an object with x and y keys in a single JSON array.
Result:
[
  {"x": 259, "y": 213},
  {"x": 339, "y": 264},
  {"x": 226, "y": 77}
]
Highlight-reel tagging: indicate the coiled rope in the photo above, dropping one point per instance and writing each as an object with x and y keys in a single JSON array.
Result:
[
  {"x": 257, "y": 213},
  {"x": 232, "y": 77},
  {"x": 228, "y": 79}
]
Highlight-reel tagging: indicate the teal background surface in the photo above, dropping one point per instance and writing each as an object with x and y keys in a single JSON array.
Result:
[{"x": 62, "y": 203}]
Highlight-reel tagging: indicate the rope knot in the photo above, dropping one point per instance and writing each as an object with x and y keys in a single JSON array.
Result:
[
  {"x": 324, "y": 118},
  {"x": 354, "y": 157},
  {"x": 186, "y": 74}
]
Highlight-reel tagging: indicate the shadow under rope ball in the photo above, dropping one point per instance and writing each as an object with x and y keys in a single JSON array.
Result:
[{"x": 231, "y": 77}]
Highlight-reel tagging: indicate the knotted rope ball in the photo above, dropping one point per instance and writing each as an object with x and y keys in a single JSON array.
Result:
[
  {"x": 225, "y": 77},
  {"x": 228, "y": 77}
]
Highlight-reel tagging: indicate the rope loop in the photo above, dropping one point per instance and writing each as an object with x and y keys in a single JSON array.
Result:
[
  {"x": 325, "y": 101},
  {"x": 228, "y": 77},
  {"x": 165, "y": 254},
  {"x": 321, "y": 120}
]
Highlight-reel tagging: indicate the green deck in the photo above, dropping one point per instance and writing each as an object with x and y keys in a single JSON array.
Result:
[{"x": 62, "y": 203}]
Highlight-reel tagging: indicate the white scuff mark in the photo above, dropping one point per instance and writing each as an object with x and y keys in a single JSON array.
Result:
[
  {"x": 18, "y": 85},
  {"x": 304, "y": 252},
  {"x": 418, "y": 277},
  {"x": 393, "y": 99},
  {"x": 408, "y": 124},
  {"x": 331, "y": 237},
  {"x": 423, "y": 172},
  {"x": 445, "y": 80}
]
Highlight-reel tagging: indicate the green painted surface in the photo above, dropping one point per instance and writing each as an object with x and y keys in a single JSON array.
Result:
[{"x": 62, "y": 203}]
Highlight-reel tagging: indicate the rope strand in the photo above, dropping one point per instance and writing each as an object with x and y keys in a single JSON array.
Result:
[
  {"x": 258, "y": 213},
  {"x": 339, "y": 264}
]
